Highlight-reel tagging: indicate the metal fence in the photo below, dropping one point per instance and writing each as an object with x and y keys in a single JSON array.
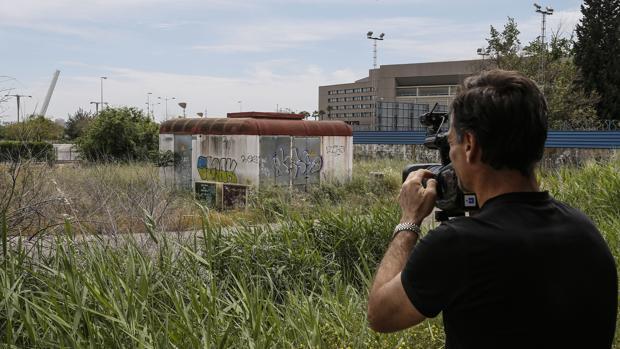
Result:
[
  {"x": 401, "y": 116},
  {"x": 555, "y": 139},
  {"x": 66, "y": 152}
]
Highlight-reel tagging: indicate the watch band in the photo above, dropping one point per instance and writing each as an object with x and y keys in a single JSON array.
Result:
[{"x": 408, "y": 227}]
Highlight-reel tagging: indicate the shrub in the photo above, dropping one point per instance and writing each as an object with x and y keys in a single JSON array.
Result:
[
  {"x": 78, "y": 123},
  {"x": 34, "y": 128},
  {"x": 119, "y": 134},
  {"x": 16, "y": 150}
]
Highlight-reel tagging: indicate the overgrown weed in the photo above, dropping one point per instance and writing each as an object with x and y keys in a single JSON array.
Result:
[{"x": 300, "y": 281}]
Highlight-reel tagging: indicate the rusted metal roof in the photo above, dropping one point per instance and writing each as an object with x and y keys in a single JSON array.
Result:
[
  {"x": 237, "y": 125},
  {"x": 265, "y": 115}
]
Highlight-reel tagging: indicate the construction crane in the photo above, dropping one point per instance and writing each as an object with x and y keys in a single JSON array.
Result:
[{"x": 46, "y": 102}]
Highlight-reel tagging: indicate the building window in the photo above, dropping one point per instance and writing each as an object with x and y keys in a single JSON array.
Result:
[
  {"x": 434, "y": 91},
  {"x": 405, "y": 92}
]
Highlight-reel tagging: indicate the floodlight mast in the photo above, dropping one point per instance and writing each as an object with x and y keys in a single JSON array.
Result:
[
  {"x": 548, "y": 11},
  {"x": 374, "y": 39}
]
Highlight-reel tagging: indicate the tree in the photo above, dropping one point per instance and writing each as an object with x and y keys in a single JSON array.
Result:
[
  {"x": 305, "y": 114},
  {"x": 34, "y": 128},
  {"x": 78, "y": 123},
  {"x": 569, "y": 105},
  {"x": 597, "y": 51},
  {"x": 505, "y": 47},
  {"x": 122, "y": 134}
]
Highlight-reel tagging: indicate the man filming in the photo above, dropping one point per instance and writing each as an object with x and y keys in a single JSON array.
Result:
[{"x": 525, "y": 271}]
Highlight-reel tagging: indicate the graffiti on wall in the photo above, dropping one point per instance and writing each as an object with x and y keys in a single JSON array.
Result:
[
  {"x": 335, "y": 150},
  {"x": 249, "y": 159},
  {"x": 300, "y": 163},
  {"x": 216, "y": 169}
]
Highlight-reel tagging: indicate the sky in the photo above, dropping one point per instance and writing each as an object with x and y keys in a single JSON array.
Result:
[{"x": 223, "y": 56}]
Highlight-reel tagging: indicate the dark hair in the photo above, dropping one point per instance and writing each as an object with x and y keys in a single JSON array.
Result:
[{"x": 507, "y": 114}]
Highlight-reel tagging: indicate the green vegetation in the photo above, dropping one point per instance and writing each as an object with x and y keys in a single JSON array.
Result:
[
  {"x": 597, "y": 51},
  {"x": 119, "y": 134},
  {"x": 569, "y": 104},
  {"x": 298, "y": 283},
  {"x": 78, "y": 123},
  {"x": 14, "y": 150},
  {"x": 35, "y": 128}
]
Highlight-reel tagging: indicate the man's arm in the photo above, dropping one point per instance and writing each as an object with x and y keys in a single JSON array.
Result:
[{"x": 389, "y": 308}]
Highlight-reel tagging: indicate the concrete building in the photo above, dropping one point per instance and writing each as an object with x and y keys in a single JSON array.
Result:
[
  {"x": 400, "y": 91},
  {"x": 254, "y": 149}
]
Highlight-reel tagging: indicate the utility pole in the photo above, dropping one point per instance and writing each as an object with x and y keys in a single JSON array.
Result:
[
  {"x": 102, "y": 78},
  {"x": 18, "y": 98},
  {"x": 148, "y": 104},
  {"x": 548, "y": 11},
  {"x": 375, "y": 39}
]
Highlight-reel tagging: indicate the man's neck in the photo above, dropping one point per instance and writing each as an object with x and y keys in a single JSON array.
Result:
[{"x": 491, "y": 183}]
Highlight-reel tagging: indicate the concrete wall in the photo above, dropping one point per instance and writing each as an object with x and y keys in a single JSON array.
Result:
[
  {"x": 258, "y": 160},
  {"x": 414, "y": 153},
  {"x": 337, "y": 158},
  {"x": 166, "y": 143},
  {"x": 552, "y": 158},
  {"x": 230, "y": 159}
]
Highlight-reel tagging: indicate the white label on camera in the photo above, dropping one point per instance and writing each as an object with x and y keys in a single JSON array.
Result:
[{"x": 470, "y": 200}]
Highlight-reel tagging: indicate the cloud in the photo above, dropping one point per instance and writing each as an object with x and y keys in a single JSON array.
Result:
[{"x": 262, "y": 89}]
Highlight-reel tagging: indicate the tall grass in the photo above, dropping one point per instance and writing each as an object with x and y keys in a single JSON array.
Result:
[{"x": 300, "y": 283}]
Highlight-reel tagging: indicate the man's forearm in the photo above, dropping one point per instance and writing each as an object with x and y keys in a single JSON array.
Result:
[{"x": 394, "y": 259}]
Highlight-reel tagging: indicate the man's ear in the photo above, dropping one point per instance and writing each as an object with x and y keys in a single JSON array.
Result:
[{"x": 472, "y": 147}]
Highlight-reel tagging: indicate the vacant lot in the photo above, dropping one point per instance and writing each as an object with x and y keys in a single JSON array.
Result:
[{"x": 303, "y": 285}]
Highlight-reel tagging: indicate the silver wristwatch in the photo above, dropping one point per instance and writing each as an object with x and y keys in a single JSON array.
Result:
[{"x": 409, "y": 227}]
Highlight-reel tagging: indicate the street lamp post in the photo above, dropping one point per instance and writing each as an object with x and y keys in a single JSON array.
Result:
[
  {"x": 548, "y": 11},
  {"x": 148, "y": 104},
  {"x": 166, "y": 99},
  {"x": 374, "y": 39},
  {"x": 102, "y": 78},
  {"x": 483, "y": 51},
  {"x": 240, "y": 104},
  {"x": 183, "y": 105},
  {"x": 18, "y": 98},
  {"x": 97, "y": 106}
]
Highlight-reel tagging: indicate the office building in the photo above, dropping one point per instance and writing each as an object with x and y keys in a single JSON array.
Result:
[{"x": 392, "y": 96}]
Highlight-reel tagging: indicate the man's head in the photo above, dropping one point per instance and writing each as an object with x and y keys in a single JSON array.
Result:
[{"x": 506, "y": 115}]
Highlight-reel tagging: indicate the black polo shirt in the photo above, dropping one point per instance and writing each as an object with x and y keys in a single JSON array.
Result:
[{"x": 526, "y": 272}]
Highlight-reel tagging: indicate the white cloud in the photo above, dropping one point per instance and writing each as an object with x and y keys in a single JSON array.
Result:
[{"x": 261, "y": 90}]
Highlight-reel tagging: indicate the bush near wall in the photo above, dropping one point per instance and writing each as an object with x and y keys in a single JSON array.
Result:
[{"x": 17, "y": 150}]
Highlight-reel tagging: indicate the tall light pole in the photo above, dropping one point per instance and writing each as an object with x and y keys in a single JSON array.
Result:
[
  {"x": 548, "y": 11},
  {"x": 152, "y": 105},
  {"x": 240, "y": 103},
  {"x": 18, "y": 98},
  {"x": 166, "y": 99},
  {"x": 374, "y": 39},
  {"x": 102, "y": 78},
  {"x": 97, "y": 106},
  {"x": 483, "y": 51},
  {"x": 148, "y": 104},
  {"x": 183, "y": 105}
]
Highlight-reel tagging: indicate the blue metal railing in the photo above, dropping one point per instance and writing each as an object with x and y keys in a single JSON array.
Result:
[{"x": 555, "y": 139}]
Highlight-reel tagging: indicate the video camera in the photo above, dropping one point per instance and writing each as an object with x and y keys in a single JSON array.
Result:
[{"x": 451, "y": 200}]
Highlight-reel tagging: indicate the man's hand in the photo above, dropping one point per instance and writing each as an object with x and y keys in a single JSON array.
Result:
[{"x": 417, "y": 202}]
